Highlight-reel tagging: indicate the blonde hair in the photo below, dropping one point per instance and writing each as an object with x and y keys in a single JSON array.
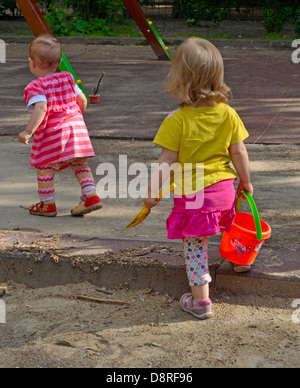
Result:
[
  {"x": 46, "y": 51},
  {"x": 197, "y": 74}
]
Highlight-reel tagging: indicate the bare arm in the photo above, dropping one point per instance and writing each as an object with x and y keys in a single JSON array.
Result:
[
  {"x": 159, "y": 177},
  {"x": 240, "y": 159},
  {"x": 82, "y": 102},
  {"x": 36, "y": 119}
]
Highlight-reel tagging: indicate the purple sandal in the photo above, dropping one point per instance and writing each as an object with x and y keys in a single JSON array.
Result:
[{"x": 201, "y": 310}]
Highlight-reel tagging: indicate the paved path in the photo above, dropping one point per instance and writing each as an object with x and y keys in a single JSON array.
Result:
[{"x": 265, "y": 84}]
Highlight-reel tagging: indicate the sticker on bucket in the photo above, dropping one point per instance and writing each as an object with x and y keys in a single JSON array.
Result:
[
  {"x": 237, "y": 244},
  {"x": 246, "y": 237},
  {"x": 241, "y": 249},
  {"x": 258, "y": 248}
]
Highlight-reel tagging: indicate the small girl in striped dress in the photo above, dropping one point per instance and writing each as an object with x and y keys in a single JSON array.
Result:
[{"x": 61, "y": 138}]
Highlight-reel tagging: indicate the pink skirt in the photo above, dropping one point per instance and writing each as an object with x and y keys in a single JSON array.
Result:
[{"x": 206, "y": 213}]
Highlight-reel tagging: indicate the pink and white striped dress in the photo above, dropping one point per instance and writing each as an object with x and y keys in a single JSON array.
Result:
[{"x": 63, "y": 135}]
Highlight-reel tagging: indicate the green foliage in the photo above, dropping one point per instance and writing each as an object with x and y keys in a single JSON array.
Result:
[
  {"x": 91, "y": 17},
  {"x": 57, "y": 20},
  {"x": 197, "y": 11},
  {"x": 61, "y": 25},
  {"x": 297, "y": 23},
  {"x": 277, "y": 13},
  {"x": 47, "y": 3},
  {"x": 101, "y": 9}
]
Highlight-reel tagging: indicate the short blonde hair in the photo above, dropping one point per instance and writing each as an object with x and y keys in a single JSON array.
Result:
[
  {"x": 197, "y": 74},
  {"x": 46, "y": 50}
]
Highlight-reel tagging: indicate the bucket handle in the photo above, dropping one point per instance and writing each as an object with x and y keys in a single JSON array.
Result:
[{"x": 254, "y": 212}]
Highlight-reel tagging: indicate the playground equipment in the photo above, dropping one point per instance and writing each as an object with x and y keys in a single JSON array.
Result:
[
  {"x": 246, "y": 237},
  {"x": 39, "y": 26},
  {"x": 159, "y": 38},
  {"x": 147, "y": 29}
]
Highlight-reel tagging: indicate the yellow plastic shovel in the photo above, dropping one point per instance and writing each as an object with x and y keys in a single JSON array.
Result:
[{"x": 145, "y": 212}]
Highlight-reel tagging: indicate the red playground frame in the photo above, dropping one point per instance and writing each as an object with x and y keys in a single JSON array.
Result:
[{"x": 39, "y": 26}]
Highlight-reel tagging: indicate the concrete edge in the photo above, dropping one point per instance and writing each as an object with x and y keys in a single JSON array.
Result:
[
  {"x": 136, "y": 41},
  {"x": 157, "y": 271}
]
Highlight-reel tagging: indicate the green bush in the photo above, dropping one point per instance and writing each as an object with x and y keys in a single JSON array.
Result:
[
  {"x": 197, "y": 11},
  {"x": 101, "y": 9},
  {"x": 277, "y": 13},
  {"x": 61, "y": 25},
  {"x": 297, "y": 23},
  {"x": 93, "y": 17},
  {"x": 90, "y": 17}
]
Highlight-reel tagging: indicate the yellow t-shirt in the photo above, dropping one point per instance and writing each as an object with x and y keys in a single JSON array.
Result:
[{"x": 203, "y": 135}]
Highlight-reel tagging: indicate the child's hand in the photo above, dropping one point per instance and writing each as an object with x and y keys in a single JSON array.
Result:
[
  {"x": 24, "y": 137},
  {"x": 149, "y": 203},
  {"x": 245, "y": 187}
]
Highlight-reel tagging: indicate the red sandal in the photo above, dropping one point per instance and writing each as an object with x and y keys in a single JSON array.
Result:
[
  {"x": 43, "y": 209},
  {"x": 87, "y": 205}
]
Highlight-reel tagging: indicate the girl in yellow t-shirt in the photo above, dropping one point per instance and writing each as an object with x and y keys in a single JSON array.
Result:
[{"x": 205, "y": 132}]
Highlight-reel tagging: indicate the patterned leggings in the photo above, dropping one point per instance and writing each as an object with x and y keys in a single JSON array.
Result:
[
  {"x": 196, "y": 254},
  {"x": 47, "y": 173}
]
